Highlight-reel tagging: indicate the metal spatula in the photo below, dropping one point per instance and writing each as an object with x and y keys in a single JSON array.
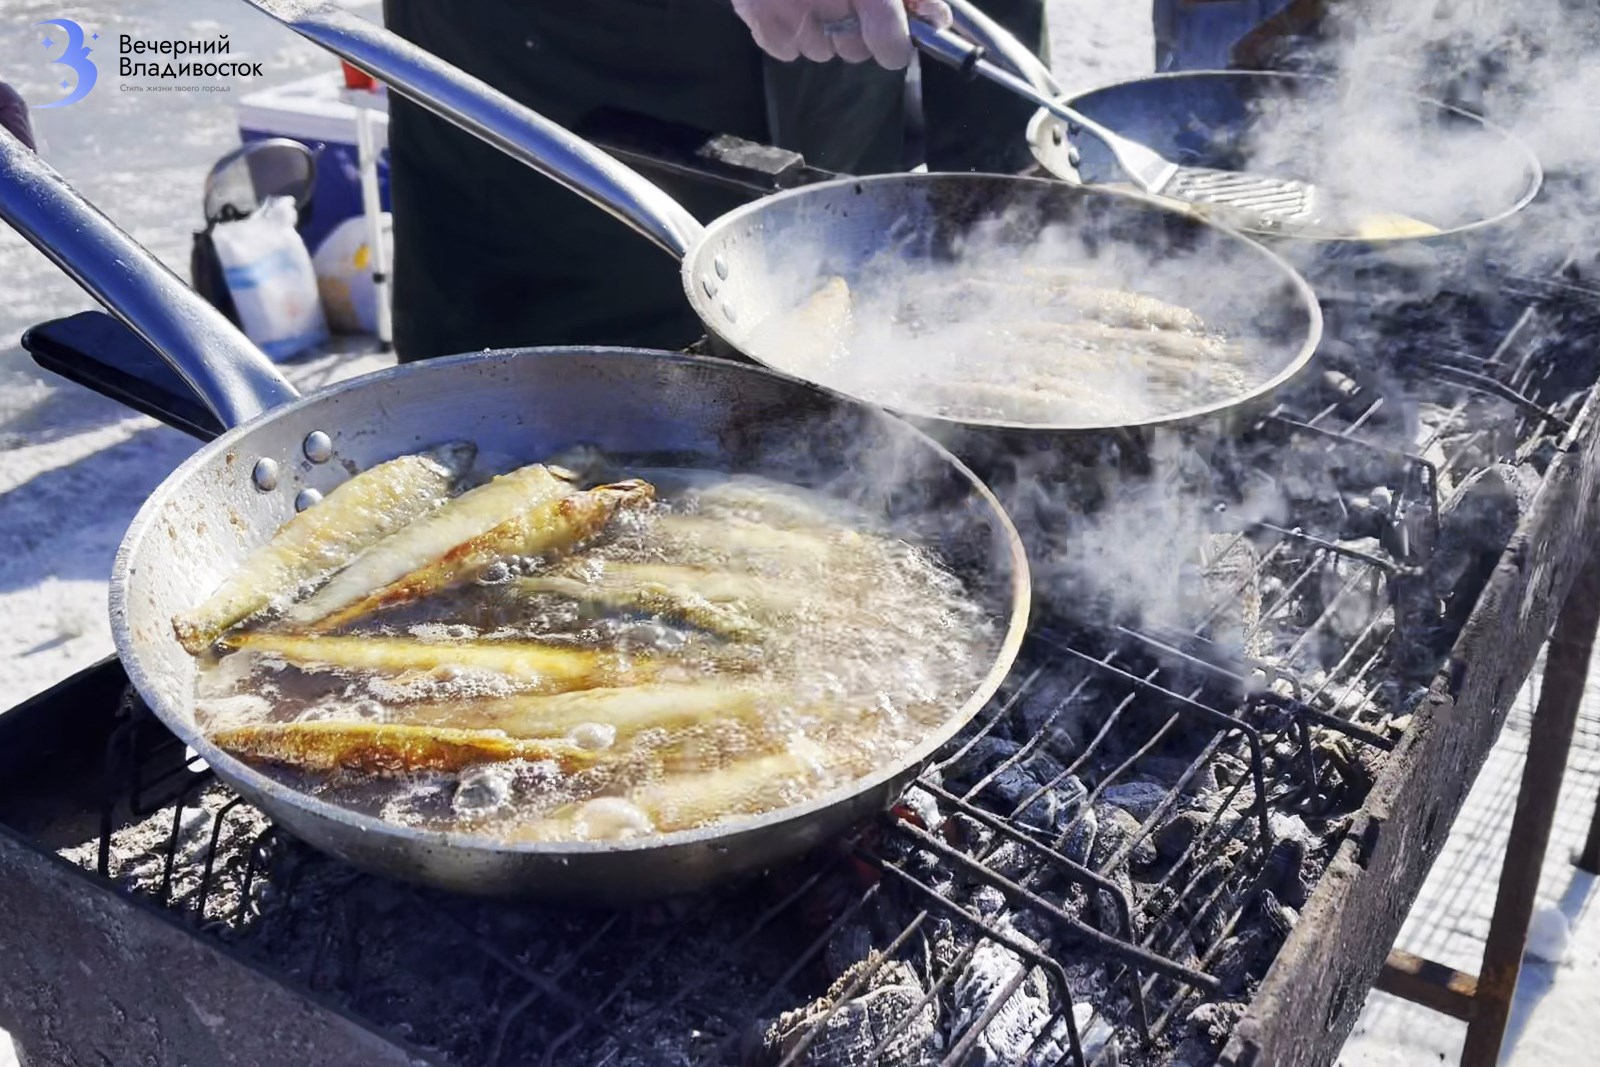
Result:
[{"x": 1250, "y": 201}]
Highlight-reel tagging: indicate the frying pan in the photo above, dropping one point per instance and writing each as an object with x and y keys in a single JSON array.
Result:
[
  {"x": 282, "y": 450},
  {"x": 750, "y": 268},
  {"x": 1208, "y": 118}
]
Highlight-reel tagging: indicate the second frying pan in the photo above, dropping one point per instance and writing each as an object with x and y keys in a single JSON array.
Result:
[{"x": 749, "y": 271}]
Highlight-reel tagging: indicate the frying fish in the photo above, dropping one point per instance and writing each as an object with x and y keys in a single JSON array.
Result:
[
  {"x": 728, "y": 604},
  {"x": 544, "y": 667},
  {"x": 315, "y": 543},
  {"x": 429, "y": 539},
  {"x": 627, "y": 711},
  {"x": 680, "y": 802},
  {"x": 758, "y": 500},
  {"x": 388, "y": 749},
  {"x": 826, "y": 318},
  {"x": 1065, "y": 293},
  {"x": 677, "y": 604},
  {"x": 732, "y": 542},
  {"x": 549, "y": 527}
]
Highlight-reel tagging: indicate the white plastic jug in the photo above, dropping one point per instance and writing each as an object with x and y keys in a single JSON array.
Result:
[
  {"x": 270, "y": 277},
  {"x": 344, "y": 274}
]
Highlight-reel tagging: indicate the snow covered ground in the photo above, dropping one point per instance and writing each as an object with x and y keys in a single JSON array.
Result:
[{"x": 74, "y": 469}]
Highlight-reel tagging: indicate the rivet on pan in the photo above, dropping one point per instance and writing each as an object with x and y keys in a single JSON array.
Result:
[
  {"x": 727, "y": 310},
  {"x": 708, "y": 285},
  {"x": 1074, "y": 157},
  {"x": 720, "y": 265},
  {"x": 1057, "y": 135},
  {"x": 305, "y": 498},
  {"x": 265, "y": 475},
  {"x": 318, "y": 447}
]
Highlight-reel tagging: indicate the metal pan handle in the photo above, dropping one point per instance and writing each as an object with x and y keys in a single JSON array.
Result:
[
  {"x": 236, "y": 381},
  {"x": 996, "y": 40},
  {"x": 494, "y": 117}
]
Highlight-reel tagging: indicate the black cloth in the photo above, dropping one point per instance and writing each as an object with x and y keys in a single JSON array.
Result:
[
  {"x": 489, "y": 254},
  {"x": 14, "y": 115}
]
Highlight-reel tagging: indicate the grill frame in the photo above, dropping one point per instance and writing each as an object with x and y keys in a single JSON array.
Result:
[{"x": 1321, "y": 972}]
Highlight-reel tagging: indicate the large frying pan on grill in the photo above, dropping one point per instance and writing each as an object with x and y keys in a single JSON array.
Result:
[
  {"x": 747, "y": 272},
  {"x": 283, "y": 449}
]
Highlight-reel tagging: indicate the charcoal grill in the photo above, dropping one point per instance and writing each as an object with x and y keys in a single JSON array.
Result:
[{"x": 1188, "y": 840}]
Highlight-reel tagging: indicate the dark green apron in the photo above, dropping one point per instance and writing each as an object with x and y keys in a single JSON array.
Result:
[{"x": 489, "y": 254}]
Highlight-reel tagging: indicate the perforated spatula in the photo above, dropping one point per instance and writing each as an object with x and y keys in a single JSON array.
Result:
[{"x": 1249, "y": 201}]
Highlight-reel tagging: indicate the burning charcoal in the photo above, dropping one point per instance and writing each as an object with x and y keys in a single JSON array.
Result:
[
  {"x": 1012, "y": 860},
  {"x": 1139, "y": 799},
  {"x": 1078, "y": 844},
  {"x": 1175, "y": 835},
  {"x": 1279, "y": 917},
  {"x": 1282, "y": 871},
  {"x": 846, "y": 949},
  {"x": 988, "y": 901},
  {"x": 1226, "y": 771},
  {"x": 1117, "y": 827},
  {"x": 1214, "y": 1022},
  {"x": 1108, "y": 908},
  {"x": 1207, "y": 925},
  {"x": 1168, "y": 769},
  {"x": 1054, "y": 809},
  {"x": 982, "y": 757},
  {"x": 1008, "y": 1040},
  {"x": 947, "y": 939},
  {"x": 1061, "y": 709},
  {"x": 847, "y": 1033},
  {"x": 1096, "y": 1036},
  {"x": 1034, "y": 925},
  {"x": 968, "y": 834},
  {"x": 924, "y": 807},
  {"x": 1232, "y": 963}
]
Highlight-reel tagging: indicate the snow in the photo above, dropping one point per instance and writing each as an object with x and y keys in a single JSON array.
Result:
[
  {"x": 1553, "y": 1016},
  {"x": 1549, "y": 936},
  {"x": 74, "y": 469}
]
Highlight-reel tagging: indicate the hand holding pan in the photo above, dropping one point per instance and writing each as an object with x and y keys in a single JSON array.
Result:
[{"x": 748, "y": 272}]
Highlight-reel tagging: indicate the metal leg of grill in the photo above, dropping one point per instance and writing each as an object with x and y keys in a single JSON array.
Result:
[
  {"x": 1555, "y": 718},
  {"x": 1589, "y": 858},
  {"x": 1484, "y": 1001}
]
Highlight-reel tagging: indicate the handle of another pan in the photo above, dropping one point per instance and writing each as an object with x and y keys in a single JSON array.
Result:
[
  {"x": 1001, "y": 45},
  {"x": 493, "y": 117},
  {"x": 236, "y": 381}
]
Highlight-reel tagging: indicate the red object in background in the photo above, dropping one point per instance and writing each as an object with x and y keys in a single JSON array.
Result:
[{"x": 355, "y": 79}]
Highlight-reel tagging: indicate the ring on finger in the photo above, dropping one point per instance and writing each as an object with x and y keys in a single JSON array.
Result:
[{"x": 841, "y": 27}]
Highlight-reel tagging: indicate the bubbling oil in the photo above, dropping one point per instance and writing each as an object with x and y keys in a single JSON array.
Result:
[{"x": 793, "y": 645}]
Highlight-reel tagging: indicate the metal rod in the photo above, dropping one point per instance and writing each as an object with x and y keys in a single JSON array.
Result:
[
  {"x": 1589, "y": 858},
  {"x": 1566, "y": 668},
  {"x": 372, "y": 206},
  {"x": 236, "y": 381},
  {"x": 1003, "y": 46},
  {"x": 492, "y": 117}
]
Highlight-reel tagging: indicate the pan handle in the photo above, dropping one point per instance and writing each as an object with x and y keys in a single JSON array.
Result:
[
  {"x": 493, "y": 117},
  {"x": 1001, "y": 45},
  {"x": 231, "y": 375}
]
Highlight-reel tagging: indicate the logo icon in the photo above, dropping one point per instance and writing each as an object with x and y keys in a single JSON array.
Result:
[{"x": 75, "y": 57}]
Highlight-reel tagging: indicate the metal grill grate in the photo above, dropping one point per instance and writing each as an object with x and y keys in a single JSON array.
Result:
[{"x": 1099, "y": 868}]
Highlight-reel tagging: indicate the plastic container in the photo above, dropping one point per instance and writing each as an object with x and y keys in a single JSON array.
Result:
[{"x": 315, "y": 111}]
